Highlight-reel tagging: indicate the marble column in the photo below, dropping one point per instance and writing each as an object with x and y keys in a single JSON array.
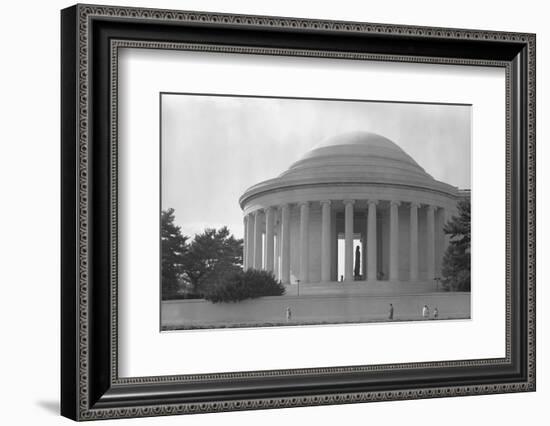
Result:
[
  {"x": 325, "y": 241},
  {"x": 371, "y": 242},
  {"x": 442, "y": 238},
  {"x": 258, "y": 239},
  {"x": 276, "y": 251},
  {"x": 444, "y": 219},
  {"x": 348, "y": 233},
  {"x": 285, "y": 244},
  {"x": 250, "y": 241},
  {"x": 394, "y": 240},
  {"x": 269, "y": 240},
  {"x": 413, "y": 249},
  {"x": 430, "y": 239},
  {"x": 245, "y": 243},
  {"x": 304, "y": 242}
]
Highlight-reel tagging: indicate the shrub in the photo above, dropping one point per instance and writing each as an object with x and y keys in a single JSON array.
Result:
[
  {"x": 456, "y": 268},
  {"x": 182, "y": 296},
  {"x": 238, "y": 285},
  {"x": 215, "y": 277},
  {"x": 456, "y": 260},
  {"x": 460, "y": 281}
]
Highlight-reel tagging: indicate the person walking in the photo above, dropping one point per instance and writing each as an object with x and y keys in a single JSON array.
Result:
[
  {"x": 390, "y": 312},
  {"x": 436, "y": 313},
  {"x": 288, "y": 314}
]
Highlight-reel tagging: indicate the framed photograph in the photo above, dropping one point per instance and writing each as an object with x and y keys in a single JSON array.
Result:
[
  {"x": 347, "y": 228},
  {"x": 263, "y": 212}
]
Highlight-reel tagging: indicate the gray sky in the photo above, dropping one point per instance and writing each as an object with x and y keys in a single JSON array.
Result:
[{"x": 214, "y": 147}]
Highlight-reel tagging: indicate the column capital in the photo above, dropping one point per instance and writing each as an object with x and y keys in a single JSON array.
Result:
[
  {"x": 325, "y": 202},
  {"x": 372, "y": 202},
  {"x": 415, "y": 205},
  {"x": 269, "y": 208},
  {"x": 431, "y": 207},
  {"x": 352, "y": 202},
  {"x": 395, "y": 203},
  {"x": 303, "y": 203}
]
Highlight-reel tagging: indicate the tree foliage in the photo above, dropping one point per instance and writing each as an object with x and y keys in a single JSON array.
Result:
[
  {"x": 456, "y": 260},
  {"x": 241, "y": 285},
  {"x": 189, "y": 267},
  {"x": 211, "y": 254},
  {"x": 173, "y": 251}
]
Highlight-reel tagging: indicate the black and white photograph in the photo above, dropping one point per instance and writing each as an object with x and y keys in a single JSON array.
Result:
[{"x": 279, "y": 211}]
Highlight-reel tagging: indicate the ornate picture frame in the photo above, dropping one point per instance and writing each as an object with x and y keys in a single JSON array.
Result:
[{"x": 91, "y": 37}]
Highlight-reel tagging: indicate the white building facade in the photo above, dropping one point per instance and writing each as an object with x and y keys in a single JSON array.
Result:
[{"x": 357, "y": 188}]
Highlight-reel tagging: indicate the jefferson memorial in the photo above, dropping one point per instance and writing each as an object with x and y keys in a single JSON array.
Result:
[{"x": 356, "y": 208}]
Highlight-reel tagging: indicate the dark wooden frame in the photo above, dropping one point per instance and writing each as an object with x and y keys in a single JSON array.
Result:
[{"x": 90, "y": 386}]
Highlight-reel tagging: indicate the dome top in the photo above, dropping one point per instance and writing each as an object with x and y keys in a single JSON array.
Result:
[
  {"x": 353, "y": 158},
  {"x": 354, "y": 149}
]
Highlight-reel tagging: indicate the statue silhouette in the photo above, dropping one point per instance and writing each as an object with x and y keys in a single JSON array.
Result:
[{"x": 357, "y": 262}]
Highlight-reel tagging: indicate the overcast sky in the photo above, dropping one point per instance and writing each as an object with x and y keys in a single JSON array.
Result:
[{"x": 214, "y": 147}]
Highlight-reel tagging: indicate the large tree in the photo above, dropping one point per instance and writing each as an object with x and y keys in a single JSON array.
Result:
[
  {"x": 211, "y": 255},
  {"x": 173, "y": 252},
  {"x": 456, "y": 261}
]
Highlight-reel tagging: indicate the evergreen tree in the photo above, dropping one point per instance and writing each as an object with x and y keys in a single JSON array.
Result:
[
  {"x": 456, "y": 260},
  {"x": 173, "y": 252},
  {"x": 212, "y": 254}
]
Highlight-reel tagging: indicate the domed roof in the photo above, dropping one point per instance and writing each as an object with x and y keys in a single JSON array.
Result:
[
  {"x": 356, "y": 153},
  {"x": 353, "y": 158}
]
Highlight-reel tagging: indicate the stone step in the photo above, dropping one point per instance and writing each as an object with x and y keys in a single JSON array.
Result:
[{"x": 364, "y": 287}]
